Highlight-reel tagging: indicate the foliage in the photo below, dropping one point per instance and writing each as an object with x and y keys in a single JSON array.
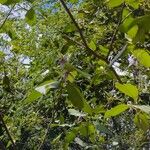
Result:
[{"x": 75, "y": 74}]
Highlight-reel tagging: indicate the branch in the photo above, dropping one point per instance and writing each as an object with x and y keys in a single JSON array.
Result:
[
  {"x": 7, "y": 16},
  {"x": 90, "y": 51},
  {"x": 7, "y": 131},
  {"x": 118, "y": 55},
  {"x": 115, "y": 31},
  {"x": 80, "y": 32}
]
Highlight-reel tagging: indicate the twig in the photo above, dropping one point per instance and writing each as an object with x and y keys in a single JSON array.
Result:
[
  {"x": 7, "y": 131},
  {"x": 118, "y": 55},
  {"x": 80, "y": 32},
  {"x": 116, "y": 31},
  {"x": 84, "y": 41},
  {"x": 7, "y": 16}
]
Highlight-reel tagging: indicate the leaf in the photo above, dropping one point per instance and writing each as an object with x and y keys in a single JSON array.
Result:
[
  {"x": 30, "y": 17},
  {"x": 76, "y": 113},
  {"x": 84, "y": 74},
  {"x": 133, "y": 32},
  {"x": 99, "y": 109},
  {"x": 144, "y": 108},
  {"x": 70, "y": 136},
  {"x": 87, "y": 108},
  {"x": 72, "y": 76},
  {"x": 127, "y": 25},
  {"x": 70, "y": 28},
  {"x": 9, "y": 2},
  {"x": 142, "y": 56},
  {"x": 33, "y": 96},
  {"x": 83, "y": 129},
  {"x": 133, "y": 3},
  {"x": 92, "y": 45},
  {"x": 116, "y": 110},
  {"x": 142, "y": 121},
  {"x": 75, "y": 96},
  {"x": 102, "y": 128},
  {"x": 47, "y": 85},
  {"x": 128, "y": 89},
  {"x": 2, "y": 1},
  {"x": 103, "y": 50},
  {"x": 115, "y": 3},
  {"x": 143, "y": 24}
]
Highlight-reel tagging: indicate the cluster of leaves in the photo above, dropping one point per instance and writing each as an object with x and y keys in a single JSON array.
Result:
[{"x": 75, "y": 74}]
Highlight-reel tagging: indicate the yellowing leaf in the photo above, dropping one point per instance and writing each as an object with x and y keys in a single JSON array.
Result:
[
  {"x": 143, "y": 57},
  {"x": 128, "y": 89},
  {"x": 116, "y": 110}
]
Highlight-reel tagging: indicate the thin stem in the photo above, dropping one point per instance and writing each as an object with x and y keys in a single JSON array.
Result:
[
  {"x": 80, "y": 32},
  {"x": 90, "y": 51},
  {"x": 7, "y": 16},
  {"x": 115, "y": 31}
]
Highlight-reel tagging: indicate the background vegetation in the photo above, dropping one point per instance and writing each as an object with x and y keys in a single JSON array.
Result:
[{"x": 75, "y": 74}]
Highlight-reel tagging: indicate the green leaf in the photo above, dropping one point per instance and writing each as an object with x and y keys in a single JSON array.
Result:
[
  {"x": 142, "y": 121},
  {"x": 73, "y": 1},
  {"x": 115, "y": 3},
  {"x": 30, "y": 17},
  {"x": 133, "y": 32},
  {"x": 127, "y": 25},
  {"x": 70, "y": 136},
  {"x": 116, "y": 110},
  {"x": 75, "y": 96},
  {"x": 144, "y": 108},
  {"x": 133, "y": 3},
  {"x": 84, "y": 74},
  {"x": 99, "y": 109},
  {"x": 128, "y": 89},
  {"x": 3, "y": 1},
  {"x": 103, "y": 50},
  {"x": 33, "y": 96},
  {"x": 102, "y": 128},
  {"x": 92, "y": 45},
  {"x": 9, "y": 2},
  {"x": 83, "y": 129},
  {"x": 91, "y": 129},
  {"x": 143, "y": 24},
  {"x": 76, "y": 113},
  {"x": 142, "y": 56},
  {"x": 70, "y": 28},
  {"x": 87, "y": 108}
]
